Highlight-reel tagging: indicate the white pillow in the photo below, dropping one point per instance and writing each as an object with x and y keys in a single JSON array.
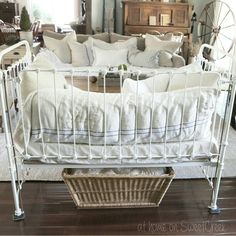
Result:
[
  {"x": 50, "y": 56},
  {"x": 29, "y": 82},
  {"x": 157, "y": 84},
  {"x": 154, "y": 43},
  {"x": 207, "y": 79},
  {"x": 193, "y": 67},
  {"x": 109, "y": 57},
  {"x": 129, "y": 44},
  {"x": 79, "y": 54},
  {"x": 60, "y": 47}
]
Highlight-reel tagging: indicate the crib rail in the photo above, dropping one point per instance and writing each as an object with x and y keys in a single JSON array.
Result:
[
  {"x": 17, "y": 117},
  {"x": 56, "y": 136}
]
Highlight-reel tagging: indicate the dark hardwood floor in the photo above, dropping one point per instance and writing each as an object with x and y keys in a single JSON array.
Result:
[{"x": 50, "y": 211}]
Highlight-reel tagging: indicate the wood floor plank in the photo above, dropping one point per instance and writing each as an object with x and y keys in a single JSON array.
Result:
[{"x": 50, "y": 210}]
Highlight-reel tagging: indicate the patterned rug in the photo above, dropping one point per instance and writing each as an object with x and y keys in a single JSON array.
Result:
[{"x": 54, "y": 173}]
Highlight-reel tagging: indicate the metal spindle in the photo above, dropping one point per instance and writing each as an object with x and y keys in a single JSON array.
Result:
[
  {"x": 56, "y": 115},
  {"x": 151, "y": 118},
  {"x": 214, "y": 119},
  {"x": 121, "y": 114},
  {"x": 105, "y": 120},
  {"x": 136, "y": 117},
  {"x": 40, "y": 117},
  {"x": 196, "y": 116},
  {"x": 167, "y": 117},
  {"x": 183, "y": 113},
  {"x": 73, "y": 114},
  {"x": 89, "y": 131}
]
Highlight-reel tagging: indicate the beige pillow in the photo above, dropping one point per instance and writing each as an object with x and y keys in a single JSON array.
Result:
[
  {"x": 29, "y": 82},
  {"x": 154, "y": 43},
  {"x": 79, "y": 54},
  {"x": 118, "y": 37},
  {"x": 178, "y": 61},
  {"x": 60, "y": 46},
  {"x": 53, "y": 34},
  {"x": 81, "y": 38},
  {"x": 167, "y": 59}
]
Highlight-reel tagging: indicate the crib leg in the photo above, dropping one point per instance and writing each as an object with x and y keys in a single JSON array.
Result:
[
  {"x": 213, "y": 208},
  {"x": 19, "y": 213}
]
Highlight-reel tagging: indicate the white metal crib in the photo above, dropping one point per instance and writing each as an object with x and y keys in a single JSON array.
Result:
[{"x": 79, "y": 146}]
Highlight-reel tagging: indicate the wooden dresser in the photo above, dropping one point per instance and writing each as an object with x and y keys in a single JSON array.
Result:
[
  {"x": 143, "y": 17},
  {"x": 8, "y": 11}
]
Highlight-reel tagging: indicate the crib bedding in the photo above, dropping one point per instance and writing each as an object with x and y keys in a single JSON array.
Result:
[
  {"x": 177, "y": 123},
  {"x": 189, "y": 111},
  {"x": 162, "y": 115}
]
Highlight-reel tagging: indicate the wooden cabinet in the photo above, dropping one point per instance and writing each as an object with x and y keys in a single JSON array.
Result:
[
  {"x": 8, "y": 11},
  {"x": 165, "y": 17}
]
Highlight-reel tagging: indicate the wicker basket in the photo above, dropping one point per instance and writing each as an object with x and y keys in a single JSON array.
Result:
[{"x": 89, "y": 191}]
